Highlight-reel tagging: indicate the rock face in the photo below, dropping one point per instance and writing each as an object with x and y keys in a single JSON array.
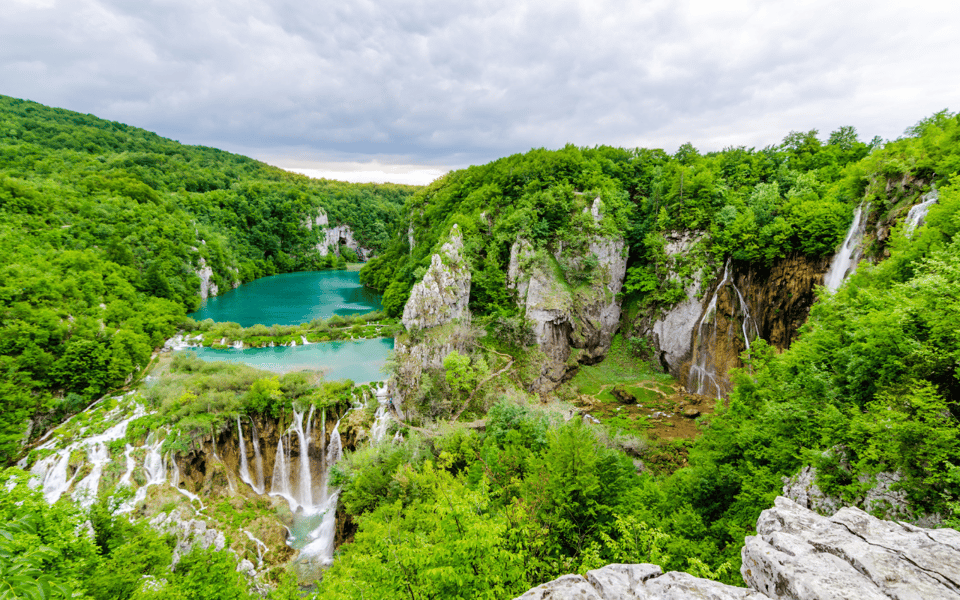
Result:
[
  {"x": 800, "y": 555},
  {"x": 797, "y": 555},
  {"x": 672, "y": 332},
  {"x": 438, "y": 317},
  {"x": 701, "y": 338},
  {"x": 443, "y": 293},
  {"x": 572, "y": 323},
  {"x": 207, "y": 287},
  {"x": 334, "y": 237},
  {"x": 637, "y": 582}
]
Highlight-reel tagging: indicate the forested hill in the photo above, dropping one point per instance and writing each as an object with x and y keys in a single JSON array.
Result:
[
  {"x": 103, "y": 227},
  {"x": 756, "y": 205}
]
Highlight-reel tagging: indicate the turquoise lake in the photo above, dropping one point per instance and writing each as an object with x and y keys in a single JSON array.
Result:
[
  {"x": 292, "y": 299},
  {"x": 360, "y": 361}
]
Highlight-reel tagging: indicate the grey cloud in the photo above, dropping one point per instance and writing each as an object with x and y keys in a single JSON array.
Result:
[{"x": 436, "y": 81}]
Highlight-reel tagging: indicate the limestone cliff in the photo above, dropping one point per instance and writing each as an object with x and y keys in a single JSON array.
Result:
[
  {"x": 671, "y": 331},
  {"x": 573, "y": 321},
  {"x": 334, "y": 237},
  {"x": 207, "y": 287},
  {"x": 437, "y": 316},
  {"x": 443, "y": 293},
  {"x": 797, "y": 555},
  {"x": 702, "y": 337}
]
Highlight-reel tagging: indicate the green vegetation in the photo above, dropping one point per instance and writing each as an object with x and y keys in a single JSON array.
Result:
[
  {"x": 103, "y": 228},
  {"x": 369, "y": 325},
  {"x": 754, "y": 205},
  {"x": 870, "y": 388},
  {"x": 60, "y": 552},
  {"x": 528, "y": 491}
]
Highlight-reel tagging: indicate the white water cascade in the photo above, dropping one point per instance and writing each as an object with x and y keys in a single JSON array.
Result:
[
  {"x": 257, "y": 457},
  {"x": 51, "y": 472},
  {"x": 305, "y": 481},
  {"x": 845, "y": 261},
  {"x": 320, "y": 546},
  {"x": 918, "y": 212},
  {"x": 280, "y": 483},
  {"x": 257, "y": 486},
  {"x": 704, "y": 378},
  {"x": 381, "y": 419}
]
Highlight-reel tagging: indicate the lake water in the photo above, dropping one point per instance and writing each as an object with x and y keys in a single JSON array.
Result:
[
  {"x": 292, "y": 299},
  {"x": 360, "y": 360}
]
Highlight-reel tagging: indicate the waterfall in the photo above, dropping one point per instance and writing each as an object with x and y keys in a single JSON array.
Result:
[
  {"x": 85, "y": 492},
  {"x": 303, "y": 339},
  {"x": 175, "y": 482},
  {"x": 131, "y": 465},
  {"x": 238, "y": 345},
  {"x": 280, "y": 485},
  {"x": 320, "y": 546},
  {"x": 155, "y": 472},
  {"x": 305, "y": 484},
  {"x": 51, "y": 472},
  {"x": 381, "y": 419},
  {"x": 918, "y": 212},
  {"x": 244, "y": 465},
  {"x": 334, "y": 448},
  {"x": 257, "y": 457},
  {"x": 703, "y": 377},
  {"x": 845, "y": 261}
]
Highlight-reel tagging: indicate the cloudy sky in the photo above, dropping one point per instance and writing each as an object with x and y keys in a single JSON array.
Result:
[{"x": 402, "y": 90}]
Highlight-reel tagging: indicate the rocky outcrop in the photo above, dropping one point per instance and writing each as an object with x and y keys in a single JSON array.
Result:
[
  {"x": 207, "y": 287},
  {"x": 188, "y": 533},
  {"x": 573, "y": 323},
  {"x": 883, "y": 495},
  {"x": 797, "y": 555},
  {"x": 444, "y": 292},
  {"x": 438, "y": 317},
  {"x": 637, "y": 582},
  {"x": 672, "y": 331},
  {"x": 331, "y": 238},
  {"x": 319, "y": 220},
  {"x": 801, "y": 555}
]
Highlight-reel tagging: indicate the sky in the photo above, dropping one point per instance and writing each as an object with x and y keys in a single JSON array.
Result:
[{"x": 404, "y": 90}]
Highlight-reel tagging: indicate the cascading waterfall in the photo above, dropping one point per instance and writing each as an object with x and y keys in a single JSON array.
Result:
[
  {"x": 305, "y": 484},
  {"x": 918, "y": 212},
  {"x": 244, "y": 465},
  {"x": 381, "y": 419},
  {"x": 257, "y": 457},
  {"x": 320, "y": 547},
  {"x": 845, "y": 261},
  {"x": 280, "y": 484},
  {"x": 51, "y": 472},
  {"x": 703, "y": 378}
]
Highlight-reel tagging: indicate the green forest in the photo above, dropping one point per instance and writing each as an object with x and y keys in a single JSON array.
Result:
[{"x": 104, "y": 226}]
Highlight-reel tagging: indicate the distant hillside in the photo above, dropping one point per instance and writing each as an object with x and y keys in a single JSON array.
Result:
[{"x": 103, "y": 231}]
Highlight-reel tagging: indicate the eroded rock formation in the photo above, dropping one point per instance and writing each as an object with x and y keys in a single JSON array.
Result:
[
  {"x": 437, "y": 316},
  {"x": 443, "y": 293},
  {"x": 802, "y": 555},
  {"x": 334, "y": 237},
  {"x": 797, "y": 555},
  {"x": 207, "y": 287},
  {"x": 572, "y": 323}
]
